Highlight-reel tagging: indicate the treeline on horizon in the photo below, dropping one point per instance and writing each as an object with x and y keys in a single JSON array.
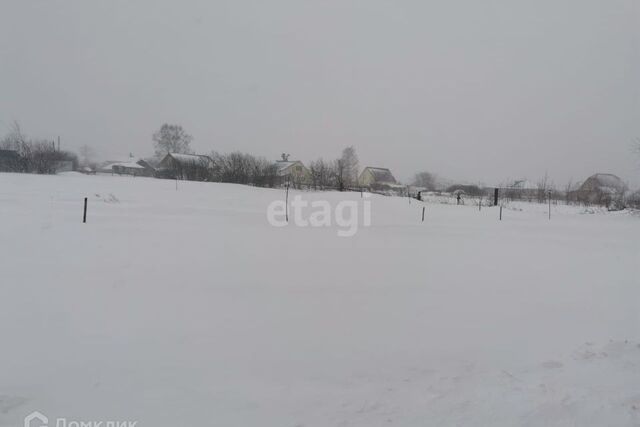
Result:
[{"x": 42, "y": 157}]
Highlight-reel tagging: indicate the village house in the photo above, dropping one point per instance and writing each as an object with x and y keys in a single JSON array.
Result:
[
  {"x": 133, "y": 167},
  {"x": 293, "y": 172},
  {"x": 521, "y": 189},
  {"x": 603, "y": 189},
  {"x": 107, "y": 166},
  {"x": 378, "y": 179},
  {"x": 190, "y": 167}
]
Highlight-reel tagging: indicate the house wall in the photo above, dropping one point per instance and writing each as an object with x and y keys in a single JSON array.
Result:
[
  {"x": 366, "y": 178},
  {"x": 123, "y": 170},
  {"x": 296, "y": 174}
]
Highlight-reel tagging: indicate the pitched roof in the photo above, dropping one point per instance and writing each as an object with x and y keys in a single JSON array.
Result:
[
  {"x": 188, "y": 159},
  {"x": 132, "y": 163},
  {"x": 606, "y": 182},
  {"x": 283, "y": 165},
  {"x": 381, "y": 175}
]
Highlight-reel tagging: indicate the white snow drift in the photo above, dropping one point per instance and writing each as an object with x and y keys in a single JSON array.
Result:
[{"x": 187, "y": 308}]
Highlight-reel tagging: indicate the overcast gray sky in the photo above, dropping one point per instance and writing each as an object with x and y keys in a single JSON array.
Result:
[{"x": 472, "y": 90}]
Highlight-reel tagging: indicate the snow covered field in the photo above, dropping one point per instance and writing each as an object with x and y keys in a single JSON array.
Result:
[{"x": 186, "y": 308}]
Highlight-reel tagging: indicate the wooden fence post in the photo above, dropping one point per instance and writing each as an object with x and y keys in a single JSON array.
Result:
[
  {"x": 84, "y": 216},
  {"x": 286, "y": 204}
]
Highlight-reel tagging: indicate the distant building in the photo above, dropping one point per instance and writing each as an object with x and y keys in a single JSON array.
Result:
[
  {"x": 133, "y": 167},
  {"x": 190, "y": 167},
  {"x": 291, "y": 171},
  {"x": 521, "y": 189},
  {"x": 378, "y": 179},
  {"x": 600, "y": 189},
  {"x": 11, "y": 161},
  {"x": 107, "y": 167}
]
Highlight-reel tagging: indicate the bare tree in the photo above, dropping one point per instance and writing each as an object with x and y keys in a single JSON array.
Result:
[
  {"x": 171, "y": 139},
  {"x": 425, "y": 180},
  {"x": 350, "y": 163},
  {"x": 16, "y": 142},
  {"x": 345, "y": 169},
  {"x": 339, "y": 174},
  {"x": 320, "y": 174},
  {"x": 14, "y": 139},
  {"x": 263, "y": 172},
  {"x": 542, "y": 187},
  {"x": 568, "y": 191}
]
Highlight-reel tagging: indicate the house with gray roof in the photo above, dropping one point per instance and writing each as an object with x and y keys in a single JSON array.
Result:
[
  {"x": 191, "y": 167},
  {"x": 600, "y": 189},
  {"x": 378, "y": 179}
]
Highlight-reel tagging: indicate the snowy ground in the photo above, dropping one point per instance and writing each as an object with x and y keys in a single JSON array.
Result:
[{"x": 186, "y": 308}]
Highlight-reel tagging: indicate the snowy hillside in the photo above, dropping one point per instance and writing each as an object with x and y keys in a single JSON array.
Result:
[{"x": 186, "y": 308}]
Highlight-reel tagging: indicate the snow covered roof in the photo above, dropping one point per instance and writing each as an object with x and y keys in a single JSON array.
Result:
[
  {"x": 132, "y": 165},
  {"x": 284, "y": 165},
  {"x": 608, "y": 180},
  {"x": 186, "y": 159},
  {"x": 604, "y": 182},
  {"x": 106, "y": 166},
  {"x": 381, "y": 175}
]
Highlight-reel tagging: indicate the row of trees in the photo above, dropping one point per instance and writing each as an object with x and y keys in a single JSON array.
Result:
[
  {"x": 341, "y": 173},
  {"x": 41, "y": 156},
  {"x": 242, "y": 168},
  {"x": 35, "y": 156}
]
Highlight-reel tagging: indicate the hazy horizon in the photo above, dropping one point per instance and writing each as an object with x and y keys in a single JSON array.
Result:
[{"x": 476, "y": 92}]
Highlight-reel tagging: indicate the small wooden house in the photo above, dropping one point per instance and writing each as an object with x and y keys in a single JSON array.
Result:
[
  {"x": 600, "y": 189},
  {"x": 191, "y": 167},
  {"x": 378, "y": 179},
  {"x": 292, "y": 171},
  {"x": 133, "y": 167}
]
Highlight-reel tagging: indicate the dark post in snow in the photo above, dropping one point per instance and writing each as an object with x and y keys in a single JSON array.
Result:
[
  {"x": 423, "y": 208},
  {"x": 286, "y": 203},
  {"x": 361, "y": 193},
  {"x": 500, "y": 213},
  {"x": 495, "y": 196},
  {"x": 549, "y": 205},
  {"x": 84, "y": 216}
]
